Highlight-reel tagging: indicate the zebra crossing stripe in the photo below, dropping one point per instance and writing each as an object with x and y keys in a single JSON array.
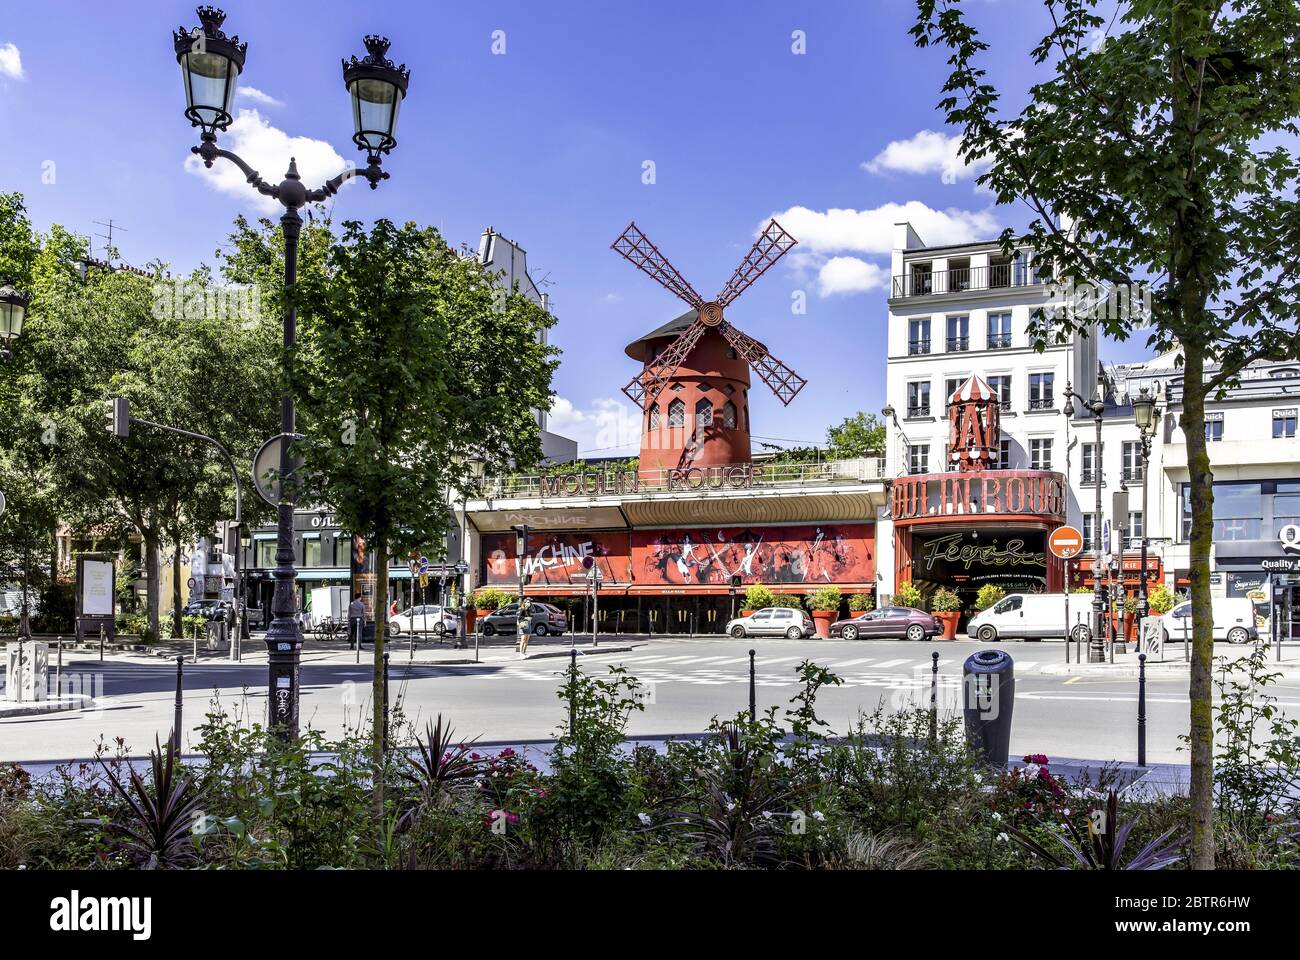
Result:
[
  {"x": 853, "y": 663},
  {"x": 893, "y": 663}
]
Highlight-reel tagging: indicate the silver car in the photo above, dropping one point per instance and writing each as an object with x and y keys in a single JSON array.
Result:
[
  {"x": 546, "y": 619},
  {"x": 773, "y": 622}
]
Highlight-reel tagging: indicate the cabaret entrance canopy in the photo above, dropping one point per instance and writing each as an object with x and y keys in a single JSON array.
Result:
[{"x": 694, "y": 386}]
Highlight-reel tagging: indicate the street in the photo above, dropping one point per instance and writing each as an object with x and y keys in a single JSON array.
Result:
[{"x": 688, "y": 681}]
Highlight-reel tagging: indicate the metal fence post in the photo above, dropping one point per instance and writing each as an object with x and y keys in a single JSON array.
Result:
[
  {"x": 573, "y": 691},
  {"x": 180, "y": 689},
  {"x": 934, "y": 693},
  {"x": 1142, "y": 709},
  {"x": 385, "y": 703},
  {"x": 753, "y": 711}
]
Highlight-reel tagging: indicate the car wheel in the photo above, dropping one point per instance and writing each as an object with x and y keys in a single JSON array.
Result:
[
  {"x": 794, "y": 633},
  {"x": 488, "y": 629},
  {"x": 916, "y": 633},
  {"x": 440, "y": 630},
  {"x": 1081, "y": 634},
  {"x": 1238, "y": 635},
  {"x": 539, "y": 630},
  {"x": 850, "y": 633},
  {"x": 738, "y": 632},
  {"x": 394, "y": 630},
  {"x": 987, "y": 633}
]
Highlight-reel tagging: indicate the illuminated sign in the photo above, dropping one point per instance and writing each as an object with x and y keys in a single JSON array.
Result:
[
  {"x": 955, "y": 549},
  {"x": 937, "y": 496}
]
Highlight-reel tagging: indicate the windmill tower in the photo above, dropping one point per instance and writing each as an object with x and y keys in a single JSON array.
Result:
[{"x": 693, "y": 389}]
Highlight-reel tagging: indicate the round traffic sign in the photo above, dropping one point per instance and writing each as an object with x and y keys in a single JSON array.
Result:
[
  {"x": 266, "y": 470},
  {"x": 1065, "y": 542}
]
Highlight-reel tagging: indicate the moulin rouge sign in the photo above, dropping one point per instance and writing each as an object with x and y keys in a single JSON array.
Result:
[
  {"x": 737, "y": 476},
  {"x": 978, "y": 493}
]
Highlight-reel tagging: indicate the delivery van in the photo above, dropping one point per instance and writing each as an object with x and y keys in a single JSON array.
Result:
[
  {"x": 1234, "y": 620},
  {"x": 1032, "y": 616}
]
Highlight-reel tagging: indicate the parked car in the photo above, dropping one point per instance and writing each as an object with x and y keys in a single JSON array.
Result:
[
  {"x": 1034, "y": 616},
  {"x": 892, "y": 623},
  {"x": 426, "y": 620},
  {"x": 208, "y": 609},
  {"x": 1234, "y": 620},
  {"x": 773, "y": 622},
  {"x": 546, "y": 619}
]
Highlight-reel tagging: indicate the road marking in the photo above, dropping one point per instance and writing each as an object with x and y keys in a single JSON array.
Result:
[
  {"x": 1074, "y": 680},
  {"x": 851, "y": 663},
  {"x": 892, "y": 663}
]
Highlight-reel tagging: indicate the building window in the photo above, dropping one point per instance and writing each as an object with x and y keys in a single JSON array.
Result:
[
  {"x": 999, "y": 271},
  {"x": 999, "y": 331},
  {"x": 959, "y": 274},
  {"x": 1213, "y": 427},
  {"x": 1238, "y": 511},
  {"x": 264, "y": 553},
  {"x": 311, "y": 556},
  {"x": 949, "y": 388},
  {"x": 343, "y": 551},
  {"x": 677, "y": 414},
  {"x": 922, "y": 279},
  {"x": 703, "y": 414},
  {"x": 1040, "y": 390},
  {"x": 1004, "y": 455},
  {"x": 1001, "y": 385},
  {"x": 958, "y": 333},
  {"x": 1136, "y": 525},
  {"x": 729, "y": 415},
  {"x": 918, "y": 337},
  {"x": 918, "y": 398},
  {"x": 1286, "y": 506},
  {"x": 918, "y": 458},
  {"x": 1132, "y": 460},
  {"x": 655, "y": 416},
  {"x": 1088, "y": 461},
  {"x": 1040, "y": 454},
  {"x": 1284, "y": 423},
  {"x": 1090, "y": 531}
]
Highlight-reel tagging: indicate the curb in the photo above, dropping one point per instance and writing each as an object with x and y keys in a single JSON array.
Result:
[
  {"x": 77, "y": 701},
  {"x": 1155, "y": 669}
]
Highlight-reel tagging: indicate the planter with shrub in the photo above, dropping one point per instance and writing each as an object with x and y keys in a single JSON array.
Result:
[
  {"x": 861, "y": 603},
  {"x": 825, "y": 605},
  {"x": 988, "y": 596},
  {"x": 1159, "y": 601},
  {"x": 757, "y": 597},
  {"x": 908, "y": 595},
  {"x": 946, "y": 605}
]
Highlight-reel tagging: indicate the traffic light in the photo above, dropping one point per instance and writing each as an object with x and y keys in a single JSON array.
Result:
[{"x": 118, "y": 417}]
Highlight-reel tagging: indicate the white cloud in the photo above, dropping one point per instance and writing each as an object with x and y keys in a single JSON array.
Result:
[
  {"x": 607, "y": 427},
  {"x": 928, "y": 151},
  {"x": 257, "y": 96},
  {"x": 849, "y": 275},
  {"x": 267, "y": 150},
  {"x": 872, "y": 231},
  {"x": 11, "y": 61}
]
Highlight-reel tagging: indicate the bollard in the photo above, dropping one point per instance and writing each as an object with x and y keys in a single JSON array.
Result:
[
  {"x": 385, "y": 703},
  {"x": 101, "y": 643},
  {"x": 180, "y": 687},
  {"x": 58, "y": 667},
  {"x": 753, "y": 710},
  {"x": 1142, "y": 709},
  {"x": 17, "y": 682},
  {"x": 988, "y": 697},
  {"x": 573, "y": 691},
  {"x": 934, "y": 694},
  {"x": 360, "y": 622},
  {"x": 1186, "y": 655}
]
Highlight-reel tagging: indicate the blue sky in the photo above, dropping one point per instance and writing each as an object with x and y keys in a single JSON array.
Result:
[{"x": 547, "y": 142}]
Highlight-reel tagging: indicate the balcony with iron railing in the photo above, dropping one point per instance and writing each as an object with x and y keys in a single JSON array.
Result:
[
  {"x": 999, "y": 341},
  {"x": 1040, "y": 403},
  {"x": 998, "y": 276},
  {"x": 1133, "y": 474},
  {"x": 918, "y": 347},
  {"x": 920, "y": 410},
  {"x": 958, "y": 344}
]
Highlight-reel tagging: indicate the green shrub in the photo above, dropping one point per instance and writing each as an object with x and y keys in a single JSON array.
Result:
[
  {"x": 945, "y": 601},
  {"x": 491, "y": 598},
  {"x": 790, "y": 601},
  {"x": 1160, "y": 600},
  {"x": 862, "y": 602},
  {"x": 826, "y": 600},
  {"x": 758, "y": 596},
  {"x": 988, "y": 596},
  {"x": 908, "y": 594}
]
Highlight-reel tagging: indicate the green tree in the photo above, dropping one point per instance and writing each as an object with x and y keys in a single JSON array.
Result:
[
  {"x": 410, "y": 359},
  {"x": 860, "y": 435},
  {"x": 1157, "y": 143}
]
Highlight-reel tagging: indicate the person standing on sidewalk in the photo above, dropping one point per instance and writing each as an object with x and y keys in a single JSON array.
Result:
[{"x": 524, "y": 626}]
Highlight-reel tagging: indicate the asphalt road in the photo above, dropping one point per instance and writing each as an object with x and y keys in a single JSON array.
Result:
[{"x": 687, "y": 683}]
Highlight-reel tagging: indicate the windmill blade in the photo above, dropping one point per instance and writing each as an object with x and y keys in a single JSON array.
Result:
[
  {"x": 637, "y": 249},
  {"x": 771, "y": 245},
  {"x": 647, "y": 386},
  {"x": 785, "y": 383}
]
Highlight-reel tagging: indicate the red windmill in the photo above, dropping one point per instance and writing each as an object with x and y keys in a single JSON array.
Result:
[{"x": 694, "y": 387}]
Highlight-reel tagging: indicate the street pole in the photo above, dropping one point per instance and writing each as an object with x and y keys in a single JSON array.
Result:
[
  {"x": 1096, "y": 645},
  {"x": 180, "y": 689},
  {"x": 1142, "y": 709},
  {"x": 1143, "y": 608}
]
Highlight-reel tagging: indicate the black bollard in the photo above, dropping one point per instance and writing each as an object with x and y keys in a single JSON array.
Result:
[
  {"x": 177, "y": 728},
  {"x": 385, "y": 703},
  {"x": 934, "y": 695},
  {"x": 573, "y": 691},
  {"x": 753, "y": 702},
  {"x": 1142, "y": 709}
]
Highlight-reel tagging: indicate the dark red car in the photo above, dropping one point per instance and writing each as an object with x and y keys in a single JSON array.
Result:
[{"x": 888, "y": 623}]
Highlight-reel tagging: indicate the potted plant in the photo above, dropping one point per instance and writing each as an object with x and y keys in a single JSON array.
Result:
[
  {"x": 946, "y": 605},
  {"x": 988, "y": 596},
  {"x": 861, "y": 603},
  {"x": 1160, "y": 601},
  {"x": 825, "y": 605},
  {"x": 757, "y": 597},
  {"x": 908, "y": 594},
  {"x": 482, "y": 603},
  {"x": 1130, "y": 606}
]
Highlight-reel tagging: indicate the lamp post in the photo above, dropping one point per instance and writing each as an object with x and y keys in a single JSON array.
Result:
[
  {"x": 1096, "y": 648},
  {"x": 13, "y": 311},
  {"x": 211, "y": 63},
  {"x": 1146, "y": 415}
]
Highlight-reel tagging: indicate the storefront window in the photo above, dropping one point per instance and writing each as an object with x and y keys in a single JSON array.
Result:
[
  {"x": 343, "y": 552},
  {"x": 1238, "y": 511},
  {"x": 311, "y": 552},
  {"x": 264, "y": 555}
]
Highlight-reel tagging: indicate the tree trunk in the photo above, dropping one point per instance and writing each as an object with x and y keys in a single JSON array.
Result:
[
  {"x": 379, "y": 550},
  {"x": 151, "y": 564},
  {"x": 1199, "y": 690},
  {"x": 178, "y": 621}
]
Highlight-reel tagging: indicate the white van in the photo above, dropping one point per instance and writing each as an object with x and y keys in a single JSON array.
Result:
[
  {"x": 1234, "y": 620},
  {"x": 1031, "y": 616}
]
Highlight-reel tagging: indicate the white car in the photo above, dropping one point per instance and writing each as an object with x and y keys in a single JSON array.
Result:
[
  {"x": 1234, "y": 620},
  {"x": 773, "y": 622},
  {"x": 426, "y": 620}
]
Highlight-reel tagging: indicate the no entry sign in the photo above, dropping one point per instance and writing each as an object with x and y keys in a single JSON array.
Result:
[{"x": 1065, "y": 542}]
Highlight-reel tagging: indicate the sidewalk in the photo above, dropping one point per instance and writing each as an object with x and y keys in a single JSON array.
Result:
[{"x": 1126, "y": 665}]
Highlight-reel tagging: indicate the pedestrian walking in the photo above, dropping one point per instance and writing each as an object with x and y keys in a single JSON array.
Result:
[{"x": 523, "y": 626}]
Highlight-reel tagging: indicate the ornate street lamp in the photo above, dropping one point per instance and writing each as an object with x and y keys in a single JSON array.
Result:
[
  {"x": 13, "y": 310},
  {"x": 1096, "y": 648},
  {"x": 211, "y": 64},
  {"x": 1145, "y": 414}
]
